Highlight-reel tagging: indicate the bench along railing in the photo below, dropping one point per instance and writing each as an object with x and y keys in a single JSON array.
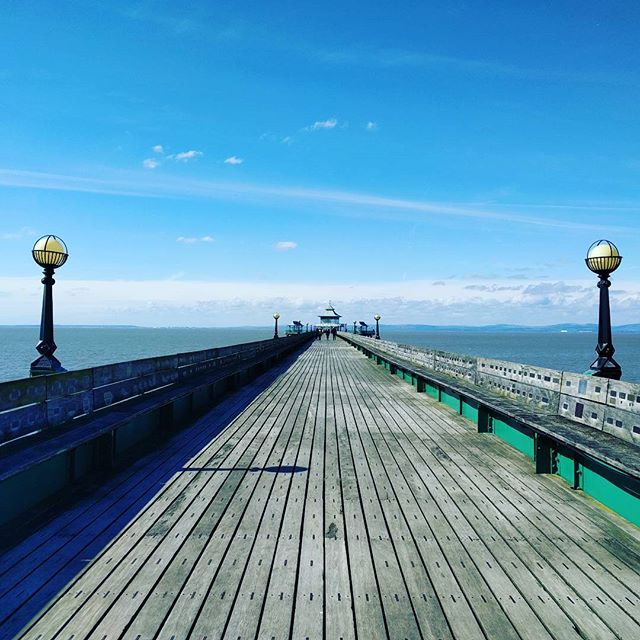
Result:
[
  {"x": 56, "y": 429},
  {"x": 541, "y": 412}
]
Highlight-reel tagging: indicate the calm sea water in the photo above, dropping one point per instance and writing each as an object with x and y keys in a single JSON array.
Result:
[{"x": 80, "y": 347}]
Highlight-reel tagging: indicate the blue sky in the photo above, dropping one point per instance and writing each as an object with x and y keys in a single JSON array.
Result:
[{"x": 442, "y": 163}]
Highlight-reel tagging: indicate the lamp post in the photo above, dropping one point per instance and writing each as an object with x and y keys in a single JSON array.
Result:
[
  {"x": 50, "y": 252},
  {"x": 603, "y": 258},
  {"x": 354, "y": 327},
  {"x": 276, "y": 315},
  {"x": 377, "y": 319}
]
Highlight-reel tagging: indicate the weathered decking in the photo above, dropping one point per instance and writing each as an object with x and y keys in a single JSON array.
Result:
[{"x": 342, "y": 504}]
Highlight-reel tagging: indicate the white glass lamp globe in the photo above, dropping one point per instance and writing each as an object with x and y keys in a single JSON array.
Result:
[
  {"x": 603, "y": 257},
  {"x": 377, "y": 316},
  {"x": 276, "y": 315},
  {"x": 50, "y": 251}
]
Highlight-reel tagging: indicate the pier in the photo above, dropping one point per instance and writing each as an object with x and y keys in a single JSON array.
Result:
[{"x": 328, "y": 499}]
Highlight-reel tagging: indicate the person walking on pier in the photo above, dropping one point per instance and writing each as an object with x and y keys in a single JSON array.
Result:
[{"x": 334, "y": 333}]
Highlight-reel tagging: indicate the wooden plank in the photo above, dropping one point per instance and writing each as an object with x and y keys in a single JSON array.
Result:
[
  {"x": 257, "y": 530},
  {"x": 160, "y": 515},
  {"x": 399, "y": 524},
  {"x": 621, "y": 622},
  {"x": 278, "y": 596},
  {"x": 287, "y": 497},
  {"x": 180, "y": 554}
]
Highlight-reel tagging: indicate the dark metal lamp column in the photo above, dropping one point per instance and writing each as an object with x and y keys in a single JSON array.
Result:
[
  {"x": 377, "y": 319},
  {"x": 276, "y": 315},
  {"x": 603, "y": 258},
  {"x": 50, "y": 252}
]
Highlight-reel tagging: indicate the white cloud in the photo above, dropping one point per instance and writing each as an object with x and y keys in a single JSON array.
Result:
[
  {"x": 233, "y": 160},
  {"x": 371, "y": 126},
  {"x": 331, "y": 123},
  {"x": 25, "y": 232},
  {"x": 158, "y": 148},
  {"x": 285, "y": 245},
  {"x": 215, "y": 303},
  {"x": 194, "y": 239},
  {"x": 186, "y": 155},
  {"x": 150, "y": 163},
  {"x": 287, "y": 140}
]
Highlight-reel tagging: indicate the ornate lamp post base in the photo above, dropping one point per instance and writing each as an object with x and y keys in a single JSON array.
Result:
[
  {"x": 605, "y": 367},
  {"x": 45, "y": 365}
]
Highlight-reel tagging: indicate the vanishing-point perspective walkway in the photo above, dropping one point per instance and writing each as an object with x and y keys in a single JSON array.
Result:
[{"x": 342, "y": 504}]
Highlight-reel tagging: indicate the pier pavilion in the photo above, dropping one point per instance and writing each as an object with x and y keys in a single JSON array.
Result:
[{"x": 324, "y": 499}]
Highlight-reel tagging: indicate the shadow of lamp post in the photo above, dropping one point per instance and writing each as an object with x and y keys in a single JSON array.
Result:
[
  {"x": 603, "y": 259},
  {"x": 50, "y": 252},
  {"x": 377, "y": 319},
  {"x": 276, "y": 315}
]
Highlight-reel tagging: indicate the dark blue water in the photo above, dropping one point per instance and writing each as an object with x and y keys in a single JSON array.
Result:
[{"x": 90, "y": 346}]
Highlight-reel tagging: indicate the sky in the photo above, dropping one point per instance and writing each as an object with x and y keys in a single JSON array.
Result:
[{"x": 208, "y": 164}]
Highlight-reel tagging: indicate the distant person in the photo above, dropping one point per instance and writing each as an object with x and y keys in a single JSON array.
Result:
[
  {"x": 334, "y": 332},
  {"x": 318, "y": 334}
]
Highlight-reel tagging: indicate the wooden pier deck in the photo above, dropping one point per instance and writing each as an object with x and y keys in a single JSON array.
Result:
[{"x": 341, "y": 504}]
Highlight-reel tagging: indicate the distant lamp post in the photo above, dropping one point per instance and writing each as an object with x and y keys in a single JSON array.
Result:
[
  {"x": 50, "y": 252},
  {"x": 377, "y": 319},
  {"x": 276, "y": 315},
  {"x": 603, "y": 258},
  {"x": 354, "y": 326}
]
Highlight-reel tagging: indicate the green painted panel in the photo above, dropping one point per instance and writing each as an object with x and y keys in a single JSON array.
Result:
[
  {"x": 523, "y": 442},
  {"x": 566, "y": 468},
  {"x": 618, "y": 498},
  {"x": 27, "y": 488},
  {"x": 450, "y": 400},
  {"x": 470, "y": 412},
  {"x": 430, "y": 390}
]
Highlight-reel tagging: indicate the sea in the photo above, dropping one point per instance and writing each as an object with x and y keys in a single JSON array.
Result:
[{"x": 81, "y": 347}]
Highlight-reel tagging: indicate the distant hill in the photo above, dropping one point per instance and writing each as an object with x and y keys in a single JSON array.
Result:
[{"x": 515, "y": 328}]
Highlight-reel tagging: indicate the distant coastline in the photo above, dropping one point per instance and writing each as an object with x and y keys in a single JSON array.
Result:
[{"x": 432, "y": 328}]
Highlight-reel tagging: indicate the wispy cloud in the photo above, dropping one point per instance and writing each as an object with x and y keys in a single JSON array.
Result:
[
  {"x": 194, "y": 239},
  {"x": 150, "y": 163},
  {"x": 133, "y": 184},
  {"x": 234, "y": 160},
  {"x": 158, "y": 148},
  {"x": 371, "y": 126},
  {"x": 320, "y": 125},
  {"x": 25, "y": 232},
  {"x": 285, "y": 245},
  {"x": 185, "y": 156}
]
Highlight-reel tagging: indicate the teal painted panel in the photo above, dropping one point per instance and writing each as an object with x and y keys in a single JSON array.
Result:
[
  {"x": 136, "y": 431},
  {"x": 523, "y": 442},
  {"x": 610, "y": 494},
  {"x": 450, "y": 400},
  {"x": 470, "y": 412},
  {"x": 566, "y": 468},
  {"x": 26, "y": 489},
  {"x": 430, "y": 390}
]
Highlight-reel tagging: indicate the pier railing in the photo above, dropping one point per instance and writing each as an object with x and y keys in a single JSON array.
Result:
[
  {"x": 57, "y": 429},
  {"x": 607, "y": 405}
]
